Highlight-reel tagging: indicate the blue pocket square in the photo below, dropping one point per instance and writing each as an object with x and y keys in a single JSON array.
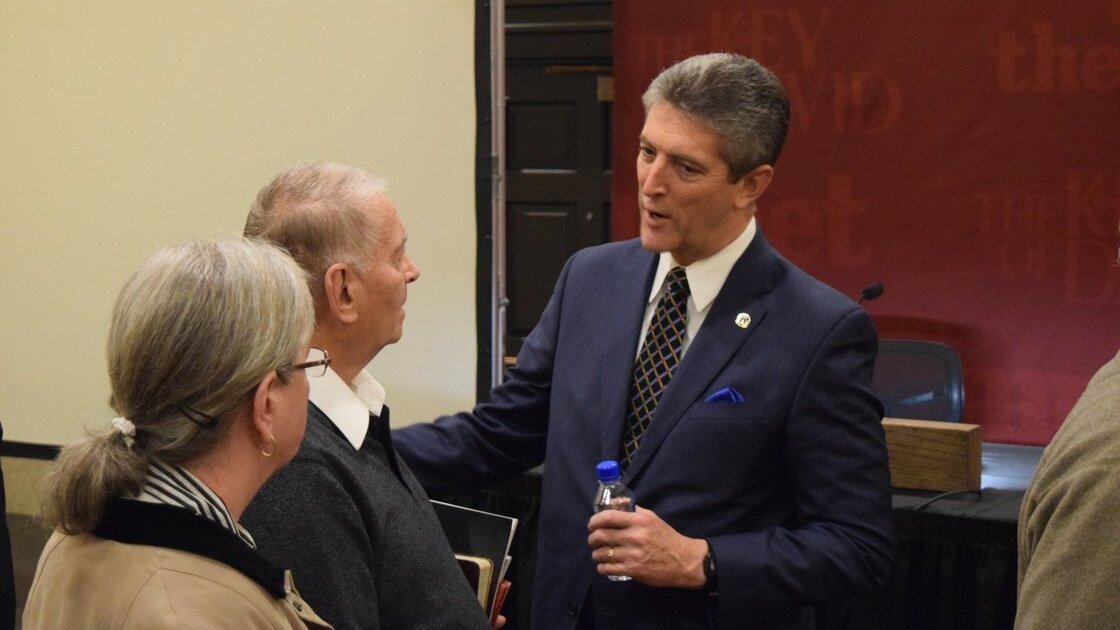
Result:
[{"x": 727, "y": 394}]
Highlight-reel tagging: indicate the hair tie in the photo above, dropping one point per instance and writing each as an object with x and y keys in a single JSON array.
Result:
[{"x": 125, "y": 427}]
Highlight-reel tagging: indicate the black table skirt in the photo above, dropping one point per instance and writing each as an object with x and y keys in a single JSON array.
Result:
[{"x": 956, "y": 560}]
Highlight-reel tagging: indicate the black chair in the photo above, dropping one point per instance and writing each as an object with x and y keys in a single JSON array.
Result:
[{"x": 922, "y": 380}]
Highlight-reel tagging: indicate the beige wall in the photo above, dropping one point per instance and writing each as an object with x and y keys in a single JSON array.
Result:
[{"x": 126, "y": 126}]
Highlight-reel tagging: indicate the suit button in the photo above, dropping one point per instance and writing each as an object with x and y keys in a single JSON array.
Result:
[{"x": 572, "y": 611}]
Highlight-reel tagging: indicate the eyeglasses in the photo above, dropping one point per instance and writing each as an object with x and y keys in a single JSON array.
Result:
[{"x": 316, "y": 363}]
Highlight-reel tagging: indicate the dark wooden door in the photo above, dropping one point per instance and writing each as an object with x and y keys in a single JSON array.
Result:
[
  {"x": 558, "y": 137},
  {"x": 557, "y": 181}
]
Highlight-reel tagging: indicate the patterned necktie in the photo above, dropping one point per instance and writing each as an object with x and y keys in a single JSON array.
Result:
[{"x": 661, "y": 351}]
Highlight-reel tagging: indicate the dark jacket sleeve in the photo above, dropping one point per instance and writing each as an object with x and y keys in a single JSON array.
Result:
[{"x": 500, "y": 437}]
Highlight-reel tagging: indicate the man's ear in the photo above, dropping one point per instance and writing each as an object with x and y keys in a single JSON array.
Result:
[
  {"x": 338, "y": 288},
  {"x": 752, "y": 185}
]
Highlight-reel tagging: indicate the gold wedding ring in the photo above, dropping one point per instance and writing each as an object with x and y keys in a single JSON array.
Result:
[{"x": 610, "y": 554}]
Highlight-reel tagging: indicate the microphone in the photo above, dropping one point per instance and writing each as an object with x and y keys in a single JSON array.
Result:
[{"x": 870, "y": 292}]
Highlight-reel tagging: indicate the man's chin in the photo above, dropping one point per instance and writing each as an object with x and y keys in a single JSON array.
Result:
[{"x": 652, "y": 243}]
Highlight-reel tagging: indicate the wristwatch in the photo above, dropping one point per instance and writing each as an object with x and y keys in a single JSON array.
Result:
[{"x": 710, "y": 584}]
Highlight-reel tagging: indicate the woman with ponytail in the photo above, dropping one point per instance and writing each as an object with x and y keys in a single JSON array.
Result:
[{"x": 208, "y": 366}]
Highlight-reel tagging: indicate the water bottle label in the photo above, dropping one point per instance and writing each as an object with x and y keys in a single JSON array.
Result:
[{"x": 624, "y": 504}]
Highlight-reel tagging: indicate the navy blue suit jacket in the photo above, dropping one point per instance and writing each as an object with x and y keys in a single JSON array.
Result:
[{"x": 790, "y": 486}]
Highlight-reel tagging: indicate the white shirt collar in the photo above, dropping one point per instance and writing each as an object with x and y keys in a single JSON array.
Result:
[
  {"x": 348, "y": 406},
  {"x": 705, "y": 276}
]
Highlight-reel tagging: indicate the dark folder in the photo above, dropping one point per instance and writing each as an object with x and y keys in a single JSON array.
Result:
[{"x": 481, "y": 542}]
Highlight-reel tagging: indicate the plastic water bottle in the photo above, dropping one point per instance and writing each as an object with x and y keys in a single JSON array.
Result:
[{"x": 612, "y": 495}]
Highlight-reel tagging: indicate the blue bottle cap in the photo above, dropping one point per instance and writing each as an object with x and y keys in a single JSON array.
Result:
[{"x": 607, "y": 470}]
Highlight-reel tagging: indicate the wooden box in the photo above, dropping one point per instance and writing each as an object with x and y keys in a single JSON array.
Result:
[{"x": 932, "y": 455}]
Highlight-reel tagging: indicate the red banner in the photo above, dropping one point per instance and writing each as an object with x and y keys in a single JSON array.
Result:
[{"x": 964, "y": 154}]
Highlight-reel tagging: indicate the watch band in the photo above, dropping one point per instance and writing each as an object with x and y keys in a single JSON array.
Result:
[{"x": 711, "y": 585}]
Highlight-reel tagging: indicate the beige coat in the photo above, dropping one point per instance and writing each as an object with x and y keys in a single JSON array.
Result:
[
  {"x": 1069, "y": 547},
  {"x": 92, "y": 583}
]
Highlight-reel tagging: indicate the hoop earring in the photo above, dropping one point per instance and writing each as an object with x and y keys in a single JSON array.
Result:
[{"x": 270, "y": 453}]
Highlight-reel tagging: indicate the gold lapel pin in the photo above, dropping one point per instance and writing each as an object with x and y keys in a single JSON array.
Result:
[{"x": 742, "y": 320}]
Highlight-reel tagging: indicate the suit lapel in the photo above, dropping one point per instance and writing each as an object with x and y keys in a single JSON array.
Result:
[
  {"x": 623, "y": 320},
  {"x": 717, "y": 341}
]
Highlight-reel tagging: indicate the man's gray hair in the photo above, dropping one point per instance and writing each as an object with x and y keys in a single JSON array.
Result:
[
  {"x": 317, "y": 211},
  {"x": 736, "y": 97}
]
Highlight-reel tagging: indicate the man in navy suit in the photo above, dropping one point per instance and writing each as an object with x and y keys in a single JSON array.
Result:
[{"x": 761, "y": 479}]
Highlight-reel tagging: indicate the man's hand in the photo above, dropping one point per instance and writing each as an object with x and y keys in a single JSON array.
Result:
[{"x": 646, "y": 548}]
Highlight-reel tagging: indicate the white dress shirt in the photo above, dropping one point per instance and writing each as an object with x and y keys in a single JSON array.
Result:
[
  {"x": 348, "y": 405},
  {"x": 705, "y": 279}
]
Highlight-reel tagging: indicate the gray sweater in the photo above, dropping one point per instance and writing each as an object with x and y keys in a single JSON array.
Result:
[{"x": 360, "y": 536}]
